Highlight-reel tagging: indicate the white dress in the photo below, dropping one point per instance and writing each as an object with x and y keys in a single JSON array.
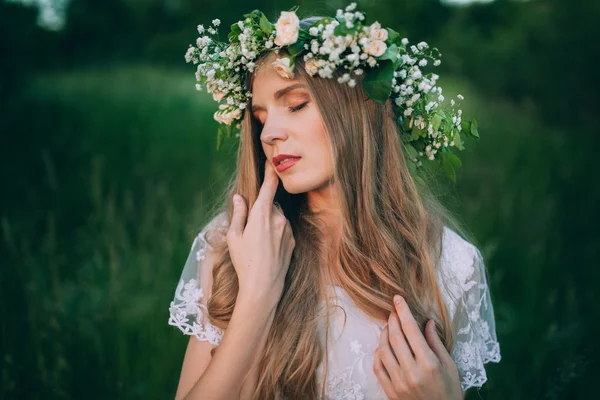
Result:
[{"x": 351, "y": 348}]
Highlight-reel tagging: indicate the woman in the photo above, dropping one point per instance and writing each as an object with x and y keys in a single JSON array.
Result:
[{"x": 290, "y": 291}]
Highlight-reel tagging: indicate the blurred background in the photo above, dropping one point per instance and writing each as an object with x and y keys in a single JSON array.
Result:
[{"x": 109, "y": 167}]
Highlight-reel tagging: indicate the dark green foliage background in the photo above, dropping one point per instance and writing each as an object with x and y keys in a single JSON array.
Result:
[{"x": 108, "y": 169}]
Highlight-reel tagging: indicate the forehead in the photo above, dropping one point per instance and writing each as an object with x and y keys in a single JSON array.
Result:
[{"x": 266, "y": 80}]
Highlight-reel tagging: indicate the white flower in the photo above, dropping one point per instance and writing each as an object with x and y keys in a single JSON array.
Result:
[
  {"x": 355, "y": 347},
  {"x": 269, "y": 44},
  {"x": 460, "y": 97},
  {"x": 351, "y": 83},
  {"x": 436, "y": 63},
  {"x": 200, "y": 29},
  {"x": 311, "y": 67},
  {"x": 216, "y": 22},
  {"x": 376, "y": 33},
  {"x": 314, "y": 31},
  {"x": 423, "y": 62},
  {"x": 189, "y": 54},
  {"x": 228, "y": 117},
  {"x": 283, "y": 68},
  {"x": 287, "y": 28},
  {"x": 210, "y": 74},
  {"x": 218, "y": 96},
  {"x": 408, "y": 111},
  {"x": 198, "y": 87},
  {"x": 376, "y": 48},
  {"x": 405, "y": 41}
]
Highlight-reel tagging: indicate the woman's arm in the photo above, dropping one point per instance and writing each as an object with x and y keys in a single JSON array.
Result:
[{"x": 242, "y": 343}]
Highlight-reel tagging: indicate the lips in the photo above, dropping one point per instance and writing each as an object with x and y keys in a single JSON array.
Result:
[
  {"x": 280, "y": 157},
  {"x": 285, "y": 161}
]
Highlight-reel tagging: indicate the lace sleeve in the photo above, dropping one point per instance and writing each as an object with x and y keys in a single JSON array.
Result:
[
  {"x": 188, "y": 310},
  {"x": 470, "y": 306}
]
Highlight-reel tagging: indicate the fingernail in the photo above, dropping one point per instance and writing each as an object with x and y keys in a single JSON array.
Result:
[{"x": 397, "y": 299}]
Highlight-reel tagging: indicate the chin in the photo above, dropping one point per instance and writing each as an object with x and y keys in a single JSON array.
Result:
[{"x": 293, "y": 185}]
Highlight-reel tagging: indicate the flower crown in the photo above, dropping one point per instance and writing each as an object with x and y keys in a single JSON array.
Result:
[{"x": 391, "y": 68}]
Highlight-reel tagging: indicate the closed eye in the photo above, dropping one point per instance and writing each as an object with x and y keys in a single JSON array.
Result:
[{"x": 298, "y": 107}]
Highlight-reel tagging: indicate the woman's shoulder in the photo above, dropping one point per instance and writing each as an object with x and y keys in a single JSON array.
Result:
[
  {"x": 214, "y": 229},
  {"x": 458, "y": 255},
  {"x": 461, "y": 263}
]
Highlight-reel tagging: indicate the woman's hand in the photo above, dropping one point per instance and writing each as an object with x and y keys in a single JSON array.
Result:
[
  {"x": 260, "y": 242},
  {"x": 419, "y": 367}
]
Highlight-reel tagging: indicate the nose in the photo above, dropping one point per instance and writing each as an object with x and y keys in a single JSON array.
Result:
[{"x": 273, "y": 129}]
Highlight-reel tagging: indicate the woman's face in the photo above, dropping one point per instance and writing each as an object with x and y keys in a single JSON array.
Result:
[{"x": 292, "y": 125}]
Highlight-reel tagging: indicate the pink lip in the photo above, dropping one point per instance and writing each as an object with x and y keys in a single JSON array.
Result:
[{"x": 287, "y": 164}]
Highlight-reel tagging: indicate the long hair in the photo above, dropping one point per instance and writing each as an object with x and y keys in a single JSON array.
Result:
[{"x": 390, "y": 238}]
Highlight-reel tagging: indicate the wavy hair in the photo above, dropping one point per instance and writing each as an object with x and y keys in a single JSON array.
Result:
[{"x": 390, "y": 238}]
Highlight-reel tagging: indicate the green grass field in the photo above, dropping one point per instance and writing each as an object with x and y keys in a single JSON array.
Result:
[{"x": 111, "y": 172}]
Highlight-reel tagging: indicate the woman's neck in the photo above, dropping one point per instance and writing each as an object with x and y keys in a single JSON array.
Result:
[{"x": 325, "y": 204}]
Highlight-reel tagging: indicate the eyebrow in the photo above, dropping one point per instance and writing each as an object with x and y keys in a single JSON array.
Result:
[{"x": 279, "y": 94}]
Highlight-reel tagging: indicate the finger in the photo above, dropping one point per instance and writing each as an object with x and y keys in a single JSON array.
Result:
[
  {"x": 411, "y": 330},
  {"x": 389, "y": 360},
  {"x": 382, "y": 376},
  {"x": 399, "y": 343},
  {"x": 238, "y": 220},
  {"x": 269, "y": 186},
  {"x": 277, "y": 207},
  {"x": 437, "y": 346}
]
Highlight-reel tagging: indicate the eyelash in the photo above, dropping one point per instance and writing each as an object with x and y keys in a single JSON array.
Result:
[
  {"x": 298, "y": 107},
  {"x": 291, "y": 109}
]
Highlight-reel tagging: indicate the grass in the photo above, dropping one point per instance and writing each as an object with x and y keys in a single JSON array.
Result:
[{"x": 111, "y": 172}]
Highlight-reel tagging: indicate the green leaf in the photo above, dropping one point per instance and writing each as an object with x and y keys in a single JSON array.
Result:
[
  {"x": 474, "y": 130},
  {"x": 341, "y": 30},
  {"x": 296, "y": 48},
  {"x": 411, "y": 152},
  {"x": 436, "y": 121},
  {"x": 233, "y": 35},
  {"x": 412, "y": 167},
  {"x": 378, "y": 82},
  {"x": 394, "y": 36},
  {"x": 466, "y": 127},
  {"x": 450, "y": 161},
  {"x": 265, "y": 25},
  {"x": 391, "y": 53},
  {"x": 324, "y": 21},
  {"x": 458, "y": 141},
  {"x": 253, "y": 14}
]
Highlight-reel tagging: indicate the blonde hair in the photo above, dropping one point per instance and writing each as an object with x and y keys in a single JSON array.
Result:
[{"x": 390, "y": 238}]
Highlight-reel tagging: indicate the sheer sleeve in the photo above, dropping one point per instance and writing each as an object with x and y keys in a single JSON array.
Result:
[
  {"x": 470, "y": 306},
  {"x": 188, "y": 310}
]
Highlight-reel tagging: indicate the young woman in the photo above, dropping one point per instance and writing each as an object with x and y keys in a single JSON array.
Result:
[{"x": 329, "y": 273}]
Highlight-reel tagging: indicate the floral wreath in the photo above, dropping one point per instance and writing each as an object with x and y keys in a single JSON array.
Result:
[{"x": 392, "y": 70}]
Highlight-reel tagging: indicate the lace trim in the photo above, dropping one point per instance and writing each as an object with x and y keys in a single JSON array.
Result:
[
  {"x": 189, "y": 313},
  {"x": 340, "y": 386},
  {"x": 476, "y": 342}
]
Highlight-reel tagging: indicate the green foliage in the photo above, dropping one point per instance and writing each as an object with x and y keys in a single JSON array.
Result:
[{"x": 378, "y": 82}]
